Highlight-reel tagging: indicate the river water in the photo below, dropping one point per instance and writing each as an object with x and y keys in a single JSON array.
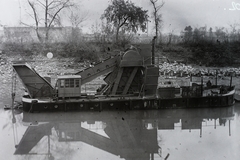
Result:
[{"x": 173, "y": 134}]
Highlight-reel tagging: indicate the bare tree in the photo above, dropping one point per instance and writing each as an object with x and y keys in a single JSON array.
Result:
[
  {"x": 156, "y": 15},
  {"x": 77, "y": 17},
  {"x": 188, "y": 34},
  {"x": 170, "y": 37},
  {"x": 47, "y": 12},
  {"x": 234, "y": 33},
  {"x": 220, "y": 33}
]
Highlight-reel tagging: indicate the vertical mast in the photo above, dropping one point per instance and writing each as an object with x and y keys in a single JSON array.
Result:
[{"x": 153, "y": 50}]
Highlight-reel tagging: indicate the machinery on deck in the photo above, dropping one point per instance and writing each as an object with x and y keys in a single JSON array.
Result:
[
  {"x": 131, "y": 82},
  {"x": 126, "y": 74}
]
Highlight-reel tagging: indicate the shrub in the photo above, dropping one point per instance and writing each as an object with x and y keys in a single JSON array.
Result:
[{"x": 83, "y": 51}]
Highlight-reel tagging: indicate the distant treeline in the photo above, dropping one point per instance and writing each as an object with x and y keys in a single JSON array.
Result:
[
  {"x": 218, "y": 47},
  {"x": 220, "y": 34}
]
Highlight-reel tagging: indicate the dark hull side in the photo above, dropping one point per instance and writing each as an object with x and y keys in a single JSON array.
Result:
[{"x": 129, "y": 104}]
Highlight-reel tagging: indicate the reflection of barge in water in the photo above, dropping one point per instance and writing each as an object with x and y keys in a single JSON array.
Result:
[
  {"x": 131, "y": 83},
  {"x": 131, "y": 134}
]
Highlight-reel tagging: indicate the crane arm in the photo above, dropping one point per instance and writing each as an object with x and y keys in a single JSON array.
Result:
[{"x": 101, "y": 68}]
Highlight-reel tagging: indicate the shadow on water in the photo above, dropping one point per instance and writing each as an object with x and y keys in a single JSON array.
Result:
[{"x": 130, "y": 135}]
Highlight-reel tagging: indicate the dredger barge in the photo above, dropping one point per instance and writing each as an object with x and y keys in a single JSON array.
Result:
[{"x": 131, "y": 82}]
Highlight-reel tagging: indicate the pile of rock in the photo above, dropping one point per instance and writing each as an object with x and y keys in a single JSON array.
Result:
[
  {"x": 182, "y": 70},
  {"x": 175, "y": 69}
]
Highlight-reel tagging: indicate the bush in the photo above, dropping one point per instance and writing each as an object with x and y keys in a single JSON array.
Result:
[{"x": 82, "y": 51}]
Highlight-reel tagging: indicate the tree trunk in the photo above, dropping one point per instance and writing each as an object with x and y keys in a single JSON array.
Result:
[
  {"x": 156, "y": 26},
  {"x": 46, "y": 22},
  {"x": 117, "y": 34},
  {"x": 170, "y": 39},
  {"x": 46, "y": 13},
  {"x": 47, "y": 34},
  {"x": 38, "y": 35}
]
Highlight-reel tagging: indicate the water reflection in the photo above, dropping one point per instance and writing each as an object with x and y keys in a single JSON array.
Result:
[{"x": 128, "y": 135}]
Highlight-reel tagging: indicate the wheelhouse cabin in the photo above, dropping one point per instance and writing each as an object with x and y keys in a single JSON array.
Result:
[{"x": 68, "y": 86}]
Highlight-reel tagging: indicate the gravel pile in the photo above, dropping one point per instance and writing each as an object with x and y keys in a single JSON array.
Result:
[{"x": 182, "y": 70}]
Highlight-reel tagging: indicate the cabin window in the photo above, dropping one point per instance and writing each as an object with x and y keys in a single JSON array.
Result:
[
  {"x": 67, "y": 83},
  {"x": 76, "y": 83},
  {"x": 71, "y": 83},
  {"x": 62, "y": 83}
]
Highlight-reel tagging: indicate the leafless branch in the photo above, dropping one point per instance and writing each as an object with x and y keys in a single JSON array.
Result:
[
  {"x": 51, "y": 10},
  {"x": 53, "y": 18},
  {"x": 157, "y": 17},
  {"x": 59, "y": 2},
  {"x": 43, "y": 5},
  {"x": 77, "y": 18},
  {"x": 27, "y": 24},
  {"x": 34, "y": 12}
]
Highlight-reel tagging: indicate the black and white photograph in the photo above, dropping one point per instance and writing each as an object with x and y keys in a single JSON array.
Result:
[{"x": 119, "y": 79}]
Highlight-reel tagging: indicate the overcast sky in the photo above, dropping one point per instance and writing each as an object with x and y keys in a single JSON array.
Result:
[{"x": 177, "y": 14}]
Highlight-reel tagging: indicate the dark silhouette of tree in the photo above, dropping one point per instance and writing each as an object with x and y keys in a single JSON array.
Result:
[
  {"x": 125, "y": 16},
  {"x": 210, "y": 34},
  {"x": 220, "y": 33},
  {"x": 188, "y": 34},
  {"x": 196, "y": 35},
  {"x": 234, "y": 32},
  {"x": 199, "y": 34}
]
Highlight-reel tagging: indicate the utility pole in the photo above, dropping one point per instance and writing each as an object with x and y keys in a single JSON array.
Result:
[{"x": 20, "y": 12}]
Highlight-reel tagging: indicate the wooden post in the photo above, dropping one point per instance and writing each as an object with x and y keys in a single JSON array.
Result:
[
  {"x": 231, "y": 81},
  {"x": 229, "y": 127},
  {"x": 201, "y": 85},
  {"x": 201, "y": 130},
  {"x": 216, "y": 77}
]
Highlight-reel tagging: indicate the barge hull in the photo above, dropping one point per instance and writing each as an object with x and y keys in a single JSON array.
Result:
[{"x": 127, "y": 104}]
